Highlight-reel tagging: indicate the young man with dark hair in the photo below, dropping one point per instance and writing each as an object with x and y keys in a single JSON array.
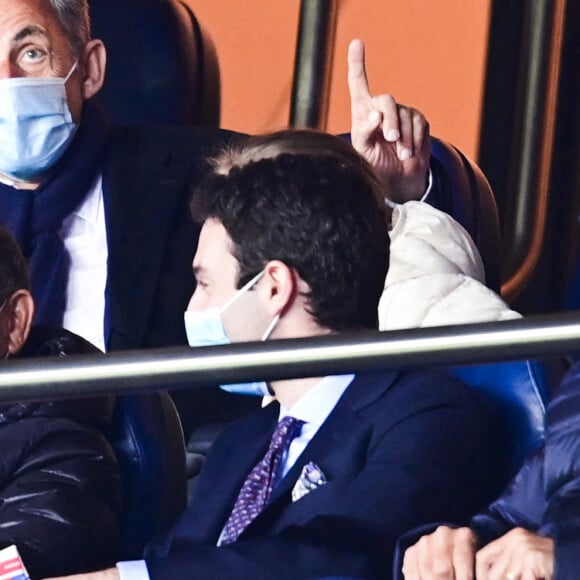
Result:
[{"x": 322, "y": 481}]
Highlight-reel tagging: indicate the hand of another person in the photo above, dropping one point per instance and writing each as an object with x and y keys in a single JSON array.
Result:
[
  {"x": 109, "y": 574},
  {"x": 393, "y": 138},
  {"x": 446, "y": 554},
  {"x": 517, "y": 555}
]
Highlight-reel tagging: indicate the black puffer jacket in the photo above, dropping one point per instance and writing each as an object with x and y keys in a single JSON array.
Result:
[{"x": 60, "y": 489}]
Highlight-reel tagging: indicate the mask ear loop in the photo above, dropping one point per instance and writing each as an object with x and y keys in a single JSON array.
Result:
[
  {"x": 71, "y": 71},
  {"x": 242, "y": 290},
  {"x": 270, "y": 328}
]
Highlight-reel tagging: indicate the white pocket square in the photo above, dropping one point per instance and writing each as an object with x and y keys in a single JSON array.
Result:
[{"x": 310, "y": 478}]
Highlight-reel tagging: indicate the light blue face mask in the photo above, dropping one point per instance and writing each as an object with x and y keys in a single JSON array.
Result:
[
  {"x": 36, "y": 125},
  {"x": 205, "y": 328}
]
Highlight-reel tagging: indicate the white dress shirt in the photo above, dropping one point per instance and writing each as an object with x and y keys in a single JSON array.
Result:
[
  {"x": 313, "y": 408},
  {"x": 84, "y": 236}
]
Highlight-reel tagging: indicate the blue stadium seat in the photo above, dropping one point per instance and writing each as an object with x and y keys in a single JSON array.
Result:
[
  {"x": 464, "y": 193},
  {"x": 161, "y": 68},
  {"x": 147, "y": 437},
  {"x": 519, "y": 391}
]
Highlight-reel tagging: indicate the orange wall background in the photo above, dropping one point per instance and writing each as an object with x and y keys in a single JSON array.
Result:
[{"x": 428, "y": 53}]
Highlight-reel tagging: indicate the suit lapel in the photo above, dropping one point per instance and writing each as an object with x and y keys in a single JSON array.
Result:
[
  {"x": 342, "y": 429},
  {"x": 322, "y": 450},
  {"x": 230, "y": 462},
  {"x": 224, "y": 474}
]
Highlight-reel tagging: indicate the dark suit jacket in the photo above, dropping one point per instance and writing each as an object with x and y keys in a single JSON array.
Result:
[
  {"x": 398, "y": 450},
  {"x": 148, "y": 179},
  {"x": 149, "y": 175}
]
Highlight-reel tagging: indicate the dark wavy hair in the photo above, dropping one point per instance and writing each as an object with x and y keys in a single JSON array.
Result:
[
  {"x": 13, "y": 267},
  {"x": 321, "y": 215}
]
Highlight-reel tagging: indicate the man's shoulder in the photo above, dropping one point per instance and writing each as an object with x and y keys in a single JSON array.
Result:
[
  {"x": 158, "y": 163},
  {"x": 383, "y": 401},
  {"x": 45, "y": 340},
  {"x": 419, "y": 387},
  {"x": 49, "y": 341},
  {"x": 190, "y": 140}
]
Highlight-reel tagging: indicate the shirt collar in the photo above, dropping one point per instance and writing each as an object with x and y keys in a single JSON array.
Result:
[
  {"x": 315, "y": 406},
  {"x": 89, "y": 209}
]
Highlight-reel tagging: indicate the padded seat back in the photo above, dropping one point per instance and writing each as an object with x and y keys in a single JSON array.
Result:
[
  {"x": 464, "y": 193},
  {"x": 147, "y": 437},
  {"x": 161, "y": 69},
  {"x": 519, "y": 391}
]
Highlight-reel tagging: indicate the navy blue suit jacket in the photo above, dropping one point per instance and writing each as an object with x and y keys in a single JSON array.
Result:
[{"x": 398, "y": 450}]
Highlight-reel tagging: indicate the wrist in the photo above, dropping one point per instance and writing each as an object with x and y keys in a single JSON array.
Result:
[{"x": 407, "y": 188}]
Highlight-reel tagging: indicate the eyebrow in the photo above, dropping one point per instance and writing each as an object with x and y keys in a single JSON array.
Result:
[{"x": 29, "y": 31}]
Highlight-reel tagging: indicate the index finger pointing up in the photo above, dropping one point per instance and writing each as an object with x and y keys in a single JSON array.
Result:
[{"x": 358, "y": 84}]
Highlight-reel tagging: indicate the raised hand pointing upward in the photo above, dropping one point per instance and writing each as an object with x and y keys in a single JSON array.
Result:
[{"x": 393, "y": 138}]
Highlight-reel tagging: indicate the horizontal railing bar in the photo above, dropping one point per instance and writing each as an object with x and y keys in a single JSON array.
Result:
[{"x": 138, "y": 371}]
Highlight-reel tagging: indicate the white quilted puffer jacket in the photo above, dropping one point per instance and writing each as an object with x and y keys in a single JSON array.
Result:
[{"x": 436, "y": 275}]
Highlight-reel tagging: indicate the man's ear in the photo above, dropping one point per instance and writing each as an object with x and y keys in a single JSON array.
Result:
[
  {"x": 95, "y": 62},
  {"x": 20, "y": 309},
  {"x": 278, "y": 287}
]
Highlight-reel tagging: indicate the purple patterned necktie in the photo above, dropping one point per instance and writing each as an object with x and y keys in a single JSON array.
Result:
[{"x": 260, "y": 482}]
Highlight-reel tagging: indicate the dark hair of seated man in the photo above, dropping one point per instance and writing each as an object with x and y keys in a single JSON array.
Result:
[{"x": 343, "y": 259}]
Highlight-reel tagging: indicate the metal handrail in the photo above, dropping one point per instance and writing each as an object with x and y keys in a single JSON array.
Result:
[{"x": 138, "y": 371}]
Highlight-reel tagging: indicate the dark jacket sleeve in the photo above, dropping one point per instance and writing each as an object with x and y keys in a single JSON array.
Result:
[
  {"x": 545, "y": 495},
  {"x": 562, "y": 523},
  {"x": 59, "y": 501},
  {"x": 421, "y": 468},
  {"x": 561, "y": 518},
  {"x": 522, "y": 504}
]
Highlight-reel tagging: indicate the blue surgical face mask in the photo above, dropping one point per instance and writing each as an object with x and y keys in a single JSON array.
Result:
[
  {"x": 205, "y": 328},
  {"x": 36, "y": 125}
]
